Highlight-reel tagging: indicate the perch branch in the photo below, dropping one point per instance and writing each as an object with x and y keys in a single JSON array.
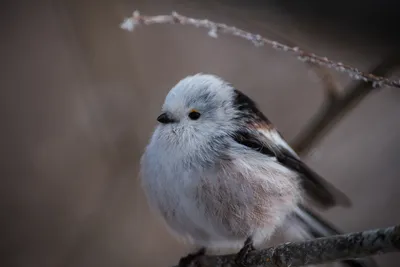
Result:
[
  {"x": 214, "y": 28},
  {"x": 317, "y": 251}
]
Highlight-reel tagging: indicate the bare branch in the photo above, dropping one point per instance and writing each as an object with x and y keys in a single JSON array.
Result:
[
  {"x": 317, "y": 251},
  {"x": 214, "y": 28},
  {"x": 329, "y": 84},
  {"x": 335, "y": 108}
]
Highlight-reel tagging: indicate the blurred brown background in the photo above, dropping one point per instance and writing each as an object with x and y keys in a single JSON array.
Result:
[{"x": 79, "y": 98}]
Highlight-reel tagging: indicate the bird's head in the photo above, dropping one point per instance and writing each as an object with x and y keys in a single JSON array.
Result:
[{"x": 198, "y": 105}]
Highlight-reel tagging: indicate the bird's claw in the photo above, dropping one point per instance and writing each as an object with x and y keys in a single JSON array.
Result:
[
  {"x": 191, "y": 258},
  {"x": 241, "y": 256}
]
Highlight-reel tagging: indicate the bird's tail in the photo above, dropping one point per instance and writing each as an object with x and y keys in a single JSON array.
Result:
[{"x": 305, "y": 224}]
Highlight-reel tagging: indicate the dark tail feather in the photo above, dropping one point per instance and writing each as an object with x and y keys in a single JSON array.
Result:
[
  {"x": 310, "y": 225},
  {"x": 324, "y": 194}
]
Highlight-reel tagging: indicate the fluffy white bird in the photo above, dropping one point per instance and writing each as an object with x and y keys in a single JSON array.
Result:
[{"x": 221, "y": 175}]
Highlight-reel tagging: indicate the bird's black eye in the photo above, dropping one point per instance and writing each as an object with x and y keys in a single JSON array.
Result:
[{"x": 194, "y": 115}]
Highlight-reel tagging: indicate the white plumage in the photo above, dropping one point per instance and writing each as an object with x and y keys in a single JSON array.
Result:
[
  {"x": 218, "y": 173},
  {"x": 208, "y": 188}
]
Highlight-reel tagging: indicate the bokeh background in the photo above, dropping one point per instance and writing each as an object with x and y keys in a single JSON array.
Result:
[{"x": 79, "y": 98}]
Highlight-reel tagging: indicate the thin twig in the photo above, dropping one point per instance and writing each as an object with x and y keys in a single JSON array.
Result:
[
  {"x": 317, "y": 251},
  {"x": 334, "y": 109},
  {"x": 326, "y": 78},
  {"x": 214, "y": 28}
]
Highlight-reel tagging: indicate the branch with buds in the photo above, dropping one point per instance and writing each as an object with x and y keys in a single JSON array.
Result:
[
  {"x": 317, "y": 251},
  {"x": 215, "y": 28},
  {"x": 336, "y": 105}
]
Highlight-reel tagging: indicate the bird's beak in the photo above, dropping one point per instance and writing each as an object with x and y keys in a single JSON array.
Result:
[{"x": 165, "y": 118}]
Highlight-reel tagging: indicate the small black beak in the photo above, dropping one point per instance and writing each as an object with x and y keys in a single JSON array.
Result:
[{"x": 165, "y": 118}]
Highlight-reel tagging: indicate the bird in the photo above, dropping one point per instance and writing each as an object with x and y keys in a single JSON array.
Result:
[{"x": 220, "y": 175}]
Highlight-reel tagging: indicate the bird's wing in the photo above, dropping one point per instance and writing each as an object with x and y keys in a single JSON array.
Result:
[{"x": 260, "y": 135}]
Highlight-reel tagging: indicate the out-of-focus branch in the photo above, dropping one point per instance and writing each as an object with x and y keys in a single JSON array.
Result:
[
  {"x": 214, "y": 28},
  {"x": 329, "y": 83},
  {"x": 336, "y": 107},
  {"x": 317, "y": 251}
]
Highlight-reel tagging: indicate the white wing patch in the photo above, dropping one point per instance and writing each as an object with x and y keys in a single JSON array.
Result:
[{"x": 277, "y": 140}]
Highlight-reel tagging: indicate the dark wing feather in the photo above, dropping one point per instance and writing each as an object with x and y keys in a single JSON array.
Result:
[
  {"x": 315, "y": 186},
  {"x": 261, "y": 136}
]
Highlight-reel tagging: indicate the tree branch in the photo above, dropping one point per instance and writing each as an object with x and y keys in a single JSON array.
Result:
[
  {"x": 317, "y": 251},
  {"x": 330, "y": 86},
  {"x": 336, "y": 107},
  {"x": 214, "y": 28}
]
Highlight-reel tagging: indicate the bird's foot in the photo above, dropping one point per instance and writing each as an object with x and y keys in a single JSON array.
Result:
[
  {"x": 191, "y": 258},
  {"x": 241, "y": 256}
]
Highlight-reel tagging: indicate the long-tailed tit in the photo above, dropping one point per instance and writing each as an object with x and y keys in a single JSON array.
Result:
[{"x": 221, "y": 175}]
